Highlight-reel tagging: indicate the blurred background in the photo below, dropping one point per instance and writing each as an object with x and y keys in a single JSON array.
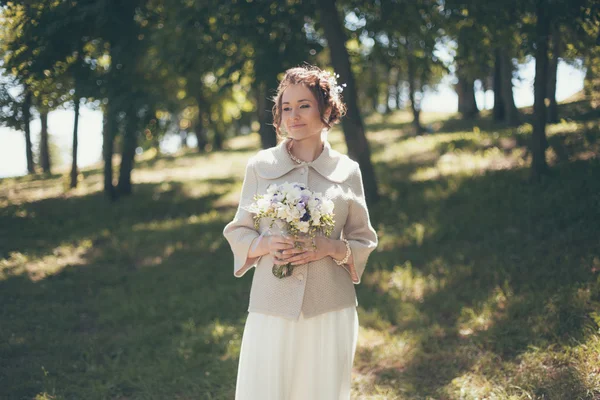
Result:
[
  {"x": 125, "y": 129},
  {"x": 183, "y": 74}
]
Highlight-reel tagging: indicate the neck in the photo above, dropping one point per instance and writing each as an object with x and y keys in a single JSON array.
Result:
[{"x": 307, "y": 149}]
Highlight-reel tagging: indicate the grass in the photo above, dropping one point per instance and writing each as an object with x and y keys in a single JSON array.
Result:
[{"x": 484, "y": 286}]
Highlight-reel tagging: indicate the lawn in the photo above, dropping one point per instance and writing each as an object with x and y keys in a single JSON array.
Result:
[{"x": 484, "y": 285}]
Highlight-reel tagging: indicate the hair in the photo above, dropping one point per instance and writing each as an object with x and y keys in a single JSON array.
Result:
[{"x": 320, "y": 84}]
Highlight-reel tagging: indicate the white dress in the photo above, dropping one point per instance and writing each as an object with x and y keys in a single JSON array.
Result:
[{"x": 282, "y": 359}]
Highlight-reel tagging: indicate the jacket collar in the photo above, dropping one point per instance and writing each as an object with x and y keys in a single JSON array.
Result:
[{"x": 275, "y": 162}]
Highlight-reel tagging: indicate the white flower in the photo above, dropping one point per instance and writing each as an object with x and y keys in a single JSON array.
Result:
[
  {"x": 282, "y": 203},
  {"x": 315, "y": 215},
  {"x": 294, "y": 194},
  {"x": 272, "y": 189},
  {"x": 286, "y": 187},
  {"x": 303, "y": 226},
  {"x": 282, "y": 212},
  {"x": 263, "y": 204},
  {"x": 327, "y": 206},
  {"x": 294, "y": 213}
]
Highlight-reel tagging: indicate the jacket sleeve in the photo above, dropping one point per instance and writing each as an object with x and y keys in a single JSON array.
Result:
[
  {"x": 361, "y": 236},
  {"x": 241, "y": 232}
]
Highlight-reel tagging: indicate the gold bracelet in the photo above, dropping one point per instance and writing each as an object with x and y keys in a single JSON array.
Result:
[{"x": 345, "y": 260}]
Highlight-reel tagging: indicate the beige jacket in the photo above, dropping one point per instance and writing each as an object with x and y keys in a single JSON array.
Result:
[{"x": 316, "y": 287}]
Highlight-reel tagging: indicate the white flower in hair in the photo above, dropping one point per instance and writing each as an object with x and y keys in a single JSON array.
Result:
[{"x": 333, "y": 77}]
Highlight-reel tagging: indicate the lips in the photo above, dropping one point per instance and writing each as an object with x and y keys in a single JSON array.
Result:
[{"x": 297, "y": 126}]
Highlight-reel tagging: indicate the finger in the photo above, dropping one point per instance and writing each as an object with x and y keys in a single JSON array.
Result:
[
  {"x": 297, "y": 258},
  {"x": 292, "y": 251},
  {"x": 279, "y": 261},
  {"x": 303, "y": 260},
  {"x": 306, "y": 243},
  {"x": 281, "y": 247}
]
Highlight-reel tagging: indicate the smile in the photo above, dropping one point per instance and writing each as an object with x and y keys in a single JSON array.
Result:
[{"x": 297, "y": 126}]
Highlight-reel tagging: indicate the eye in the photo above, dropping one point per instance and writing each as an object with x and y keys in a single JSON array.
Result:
[
  {"x": 286, "y": 109},
  {"x": 305, "y": 106}
]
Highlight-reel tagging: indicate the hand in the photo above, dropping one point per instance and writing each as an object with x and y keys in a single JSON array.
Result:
[
  {"x": 305, "y": 251},
  {"x": 276, "y": 244}
]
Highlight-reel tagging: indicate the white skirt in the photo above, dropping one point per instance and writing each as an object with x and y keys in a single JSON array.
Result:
[{"x": 283, "y": 359}]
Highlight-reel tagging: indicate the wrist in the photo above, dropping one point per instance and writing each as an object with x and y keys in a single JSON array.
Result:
[{"x": 337, "y": 249}]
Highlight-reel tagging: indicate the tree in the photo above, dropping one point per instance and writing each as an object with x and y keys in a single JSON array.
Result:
[
  {"x": 354, "y": 131},
  {"x": 279, "y": 42},
  {"x": 15, "y": 113},
  {"x": 538, "y": 139},
  {"x": 578, "y": 13},
  {"x": 44, "y": 48},
  {"x": 407, "y": 34},
  {"x": 472, "y": 60},
  {"x": 488, "y": 41}
]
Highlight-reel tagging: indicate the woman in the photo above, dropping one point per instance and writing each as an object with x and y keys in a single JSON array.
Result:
[{"x": 300, "y": 335}]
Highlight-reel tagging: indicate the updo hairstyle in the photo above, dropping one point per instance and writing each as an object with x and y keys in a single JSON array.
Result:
[{"x": 322, "y": 86}]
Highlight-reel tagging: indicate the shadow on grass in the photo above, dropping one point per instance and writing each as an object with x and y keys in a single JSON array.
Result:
[
  {"x": 46, "y": 223},
  {"x": 495, "y": 242},
  {"x": 570, "y": 146},
  {"x": 148, "y": 310}
]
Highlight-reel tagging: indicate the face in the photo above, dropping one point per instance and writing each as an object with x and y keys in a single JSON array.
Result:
[{"x": 300, "y": 113}]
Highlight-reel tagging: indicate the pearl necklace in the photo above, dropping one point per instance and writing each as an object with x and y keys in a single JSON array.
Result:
[{"x": 295, "y": 159}]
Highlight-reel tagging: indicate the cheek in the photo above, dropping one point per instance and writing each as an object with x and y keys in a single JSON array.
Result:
[{"x": 315, "y": 116}]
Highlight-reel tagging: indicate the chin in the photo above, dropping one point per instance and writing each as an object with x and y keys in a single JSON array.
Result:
[{"x": 302, "y": 136}]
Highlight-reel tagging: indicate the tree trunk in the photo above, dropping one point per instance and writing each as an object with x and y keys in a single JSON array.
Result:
[
  {"x": 218, "y": 138},
  {"x": 483, "y": 92},
  {"x": 398, "y": 90},
  {"x": 201, "y": 136},
  {"x": 552, "y": 73},
  {"x": 374, "y": 87},
  {"x": 591, "y": 82},
  {"x": 200, "y": 129},
  {"x": 184, "y": 134},
  {"x": 511, "y": 114},
  {"x": 395, "y": 88},
  {"x": 389, "y": 90},
  {"x": 108, "y": 138},
  {"x": 268, "y": 136},
  {"x": 467, "y": 105},
  {"x": 27, "y": 122},
  {"x": 217, "y": 141},
  {"x": 498, "y": 112},
  {"x": 354, "y": 131},
  {"x": 128, "y": 154},
  {"x": 74, "y": 171},
  {"x": 538, "y": 144},
  {"x": 415, "y": 105},
  {"x": 44, "y": 147}
]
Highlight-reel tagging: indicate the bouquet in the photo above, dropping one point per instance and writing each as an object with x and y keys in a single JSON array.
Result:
[{"x": 296, "y": 211}]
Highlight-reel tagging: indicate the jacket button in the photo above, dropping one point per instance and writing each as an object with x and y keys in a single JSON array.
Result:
[{"x": 299, "y": 277}]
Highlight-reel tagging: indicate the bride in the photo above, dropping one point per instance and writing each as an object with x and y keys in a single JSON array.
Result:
[{"x": 300, "y": 335}]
